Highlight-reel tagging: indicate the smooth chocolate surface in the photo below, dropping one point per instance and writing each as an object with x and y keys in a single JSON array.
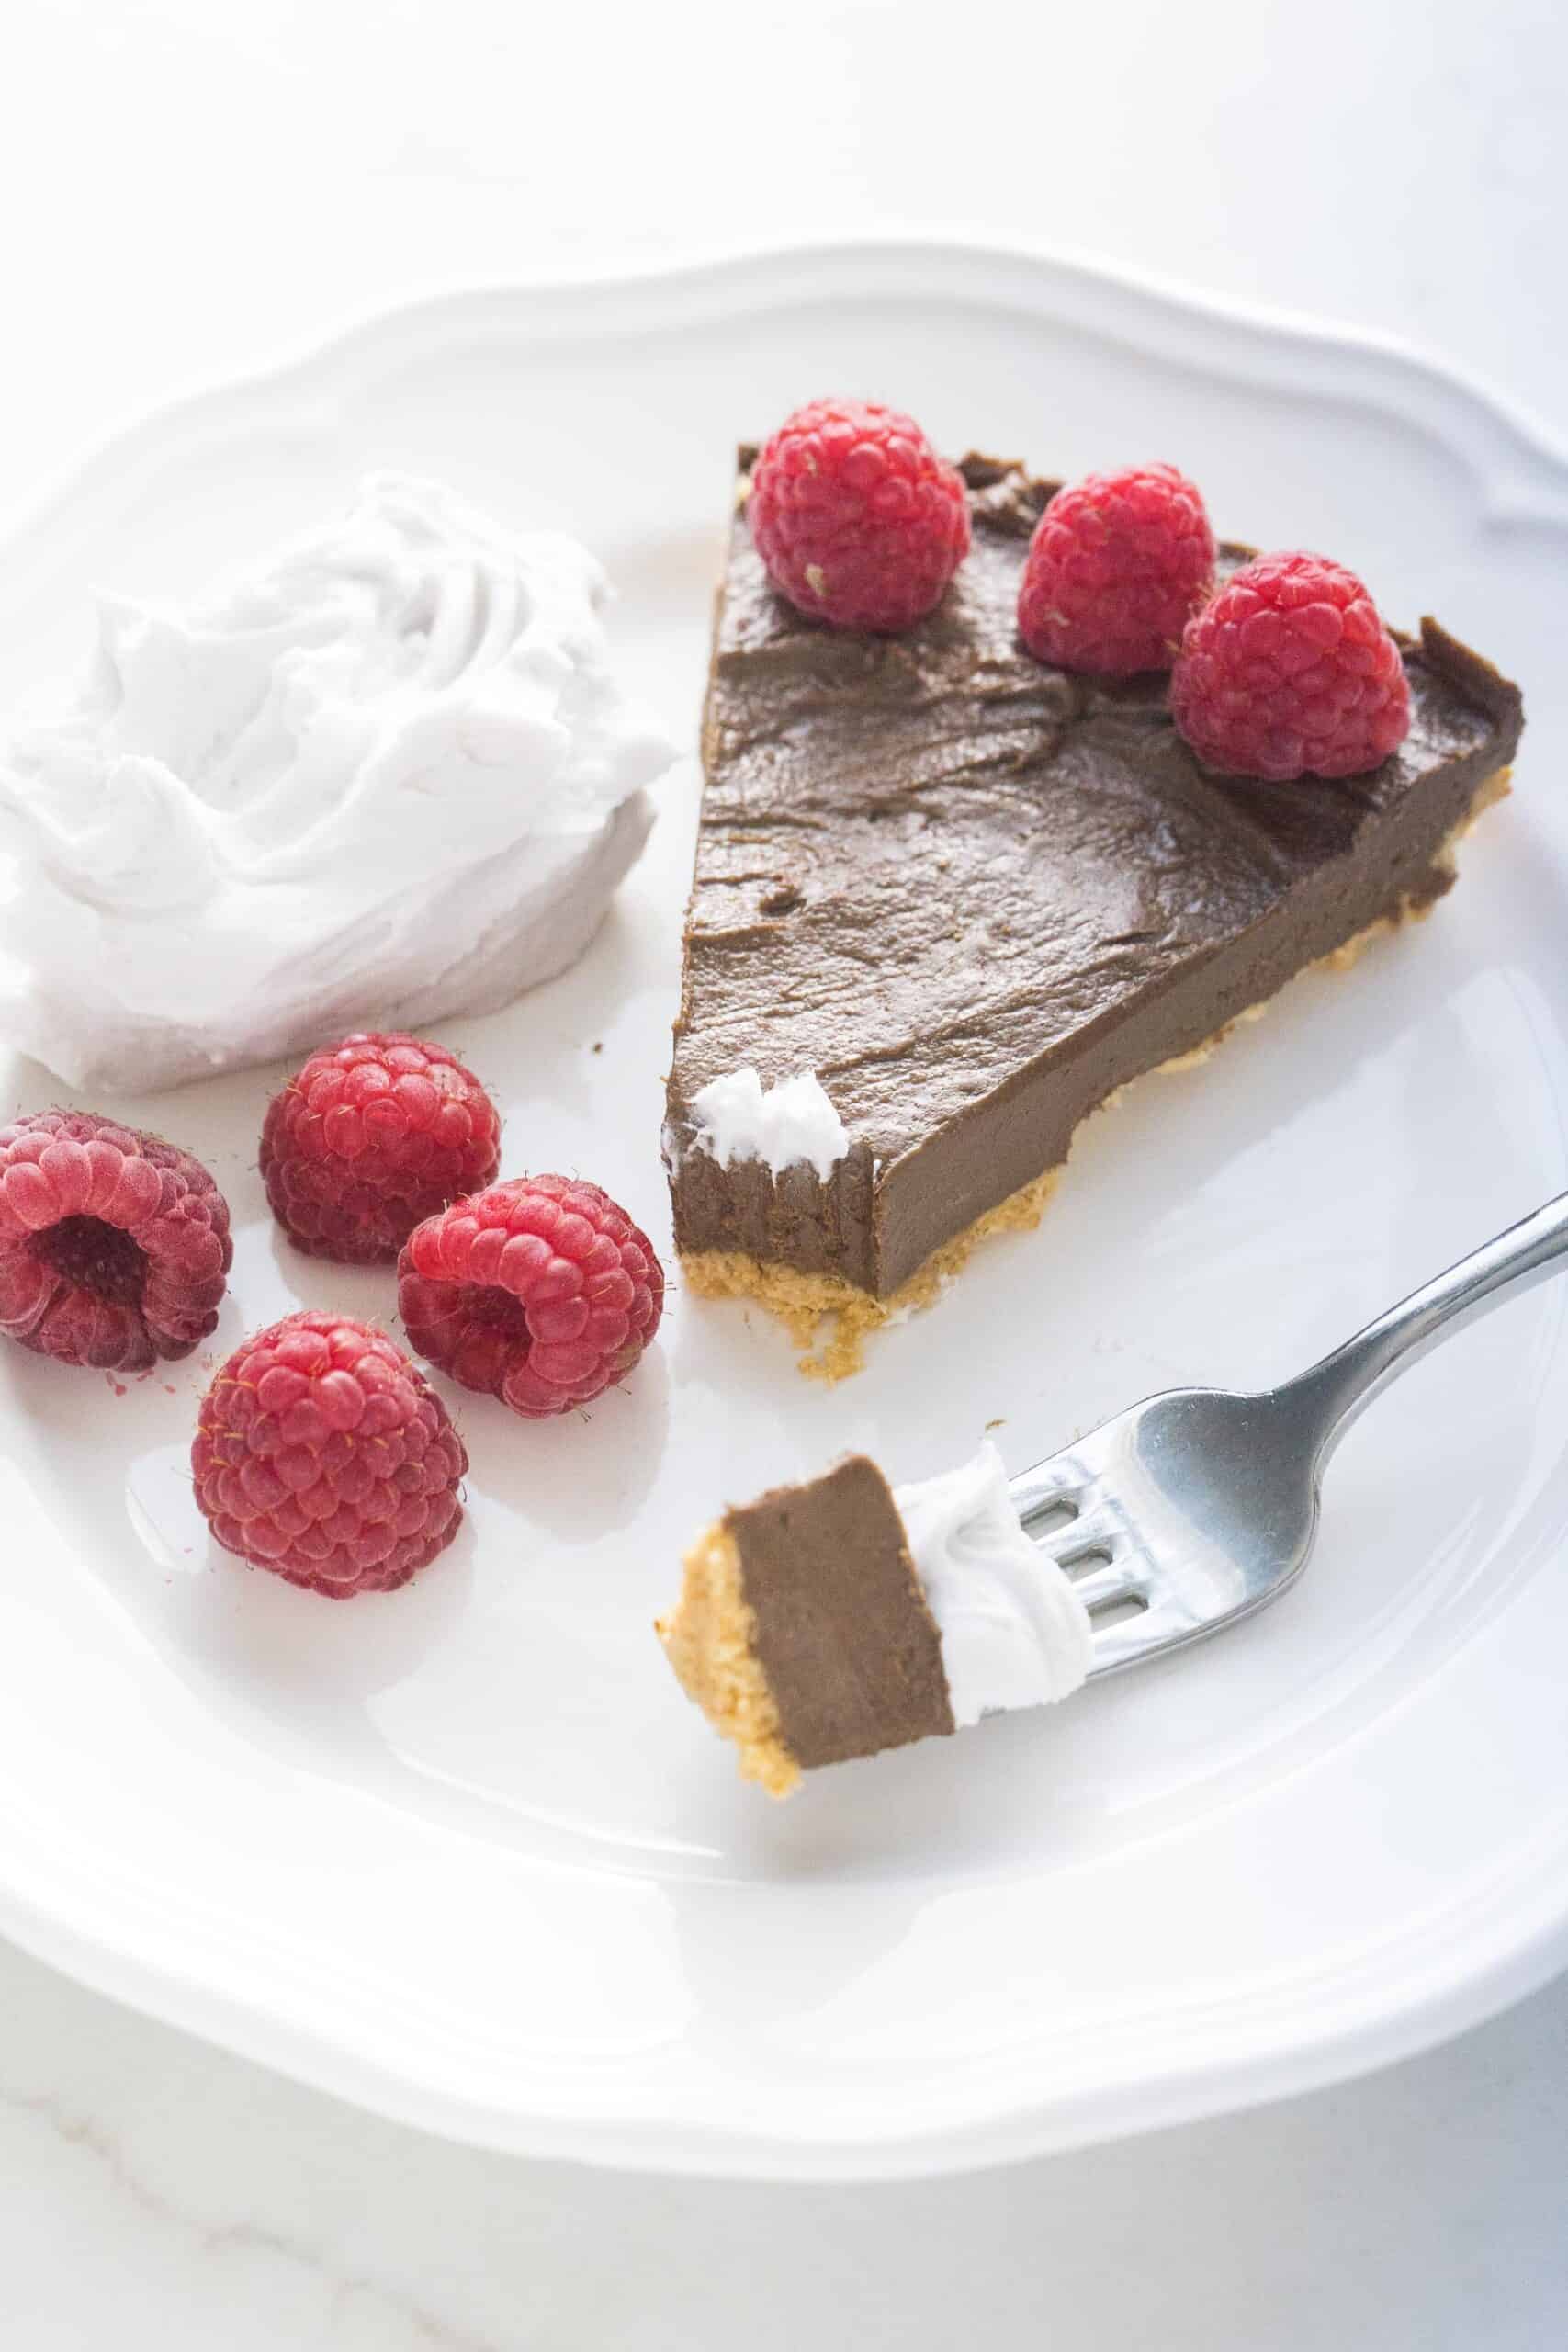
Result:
[
  {"x": 842, "y": 1632},
  {"x": 977, "y": 894}
]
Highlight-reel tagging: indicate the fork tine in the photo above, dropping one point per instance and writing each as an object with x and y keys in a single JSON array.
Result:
[
  {"x": 1189, "y": 1510},
  {"x": 1132, "y": 1638},
  {"x": 1094, "y": 1529},
  {"x": 1045, "y": 1488},
  {"x": 1123, "y": 1579}
]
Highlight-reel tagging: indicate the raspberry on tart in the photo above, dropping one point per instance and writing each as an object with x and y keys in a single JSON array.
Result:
[
  {"x": 323, "y": 1454},
  {"x": 113, "y": 1245},
  {"x": 858, "y": 520},
  {"x": 1289, "y": 671},
  {"x": 1117, "y": 564},
  {"x": 970, "y": 897},
  {"x": 539, "y": 1292},
  {"x": 372, "y": 1136}
]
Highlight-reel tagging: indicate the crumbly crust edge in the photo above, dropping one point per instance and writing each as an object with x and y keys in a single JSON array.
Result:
[{"x": 709, "y": 1638}]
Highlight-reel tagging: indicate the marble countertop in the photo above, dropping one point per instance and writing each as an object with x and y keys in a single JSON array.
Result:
[
  {"x": 201, "y": 188},
  {"x": 159, "y": 2193}
]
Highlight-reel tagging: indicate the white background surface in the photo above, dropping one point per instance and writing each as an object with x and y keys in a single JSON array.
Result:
[{"x": 190, "y": 189}]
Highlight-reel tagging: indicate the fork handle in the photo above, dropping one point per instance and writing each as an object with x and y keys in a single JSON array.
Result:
[{"x": 1342, "y": 1384}]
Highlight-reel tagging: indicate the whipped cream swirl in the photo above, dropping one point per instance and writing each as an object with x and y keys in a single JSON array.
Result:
[
  {"x": 1014, "y": 1633},
  {"x": 789, "y": 1124},
  {"x": 386, "y": 777}
]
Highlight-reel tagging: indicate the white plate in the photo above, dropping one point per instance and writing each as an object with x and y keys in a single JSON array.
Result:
[{"x": 464, "y": 1853}]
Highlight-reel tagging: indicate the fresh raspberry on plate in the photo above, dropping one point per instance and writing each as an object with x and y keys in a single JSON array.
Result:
[
  {"x": 1288, "y": 671},
  {"x": 114, "y": 1246},
  {"x": 324, "y": 1454},
  {"x": 540, "y": 1292},
  {"x": 1117, "y": 564},
  {"x": 857, "y": 519},
  {"x": 372, "y": 1136}
]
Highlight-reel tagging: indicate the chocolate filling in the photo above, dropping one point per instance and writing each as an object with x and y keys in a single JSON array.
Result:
[
  {"x": 842, "y": 1632},
  {"x": 977, "y": 894}
]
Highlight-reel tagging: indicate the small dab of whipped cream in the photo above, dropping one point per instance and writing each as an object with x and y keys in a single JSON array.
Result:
[
  {"x": 786, "y": 1125},
  {"x": 1014, "y": 1633},
  {"x": 385, "y": 777}
]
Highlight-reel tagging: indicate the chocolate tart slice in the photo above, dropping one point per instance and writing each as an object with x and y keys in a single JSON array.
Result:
[
  {"x": 843, "y": 1617},
  {"x": 802, "y": 1632},
  {"x": 975, "y": 896}
]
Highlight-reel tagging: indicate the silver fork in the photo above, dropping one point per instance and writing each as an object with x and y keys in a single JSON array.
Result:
[{"x": 1193, "y": 1508}]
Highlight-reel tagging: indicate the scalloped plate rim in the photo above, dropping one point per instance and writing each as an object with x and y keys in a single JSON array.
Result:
[{"x": 1512, "y": 1949}]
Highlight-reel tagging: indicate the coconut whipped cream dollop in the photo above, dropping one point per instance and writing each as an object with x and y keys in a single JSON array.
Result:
[
  {"x": 789, "y": 1124},
  {"x": 385, "y": 777},
  {"x": 1014, "y": 1633}
]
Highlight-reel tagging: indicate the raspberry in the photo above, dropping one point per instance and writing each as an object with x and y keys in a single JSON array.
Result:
[
  {"x": 114, "y": 1246},
  {"x": 540, "y": 1292},
  {"x": 324, "y": 1454},
  {"x": 1117, "y": 563},
  {"x": 372, "y": 1136},
  {"x": 1290, "y": 672},
  {"x": 857, "y": 519}
]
